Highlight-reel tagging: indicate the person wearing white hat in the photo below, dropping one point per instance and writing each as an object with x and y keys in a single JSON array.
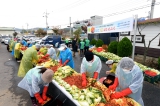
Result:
[
  {"x": 112, "y": 65},
  {"x": 36, "y": 81},
  {"x": 128, "y": 81},
  {"x": 65, "y": 56},
  {"x": 29, "y": 58},
  {"x": 51, "y": 52}
]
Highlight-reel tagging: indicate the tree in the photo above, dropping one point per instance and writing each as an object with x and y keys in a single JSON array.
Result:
[
  {"x": 15, "y": 34},
  {"x": 77, "y": 33},
  {"x": 140, "y": 28},
  {"x": 113, "y": 47},
  {"x": 93, "y": 41},
  {"x": 99, "y": 43},
  {"x": 41, "y": 32},
  {"x": 124, "y": 48}
]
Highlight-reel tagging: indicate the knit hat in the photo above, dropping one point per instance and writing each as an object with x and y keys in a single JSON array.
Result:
[
  {"x": 89, "y": 56},
  {"x": 47, "y": 76}
]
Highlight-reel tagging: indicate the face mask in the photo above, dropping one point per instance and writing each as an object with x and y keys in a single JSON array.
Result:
[{"x": 126, "y": 71}]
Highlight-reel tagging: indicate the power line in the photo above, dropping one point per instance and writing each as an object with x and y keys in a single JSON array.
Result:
[{"x": 125, "y": 11}]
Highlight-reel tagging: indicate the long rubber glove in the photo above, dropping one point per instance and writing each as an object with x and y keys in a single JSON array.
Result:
[
  {"x": 47, "y": 55},
  {"x": 60, "y": 61},
  {"x": 38, "y": 97},
  {"x": 113, "y": 87},
  {"x": 84, "y": 81},
  {"x": 65, "y": 62},
  {"x": 123, "y": 93},
  {"x": 44, "y": 97},
  {"x": 95, "y": 75}
]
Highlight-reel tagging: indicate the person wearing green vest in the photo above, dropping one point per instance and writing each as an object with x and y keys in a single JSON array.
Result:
[
  {"x": 66, "y": 41},
  {"x": 81, "y": 47},
  {"x": 87, "y": 43}
]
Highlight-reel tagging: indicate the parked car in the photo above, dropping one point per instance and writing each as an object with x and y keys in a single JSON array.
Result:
[
  {"x": 3, "y": 38},
  {"x": 27, "y": 37},
  {"x": 6, "y": 40},
  {"x": 52, "y": 39}
]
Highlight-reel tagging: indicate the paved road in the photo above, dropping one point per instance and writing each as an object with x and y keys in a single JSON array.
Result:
[{"x": 11, "y": 95}]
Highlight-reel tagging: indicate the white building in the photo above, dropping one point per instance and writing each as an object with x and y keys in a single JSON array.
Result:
[
  {"x": 7, "y": 30},
  {"x": 148, "y": 29},
  {"x": 96, "y": 20}
]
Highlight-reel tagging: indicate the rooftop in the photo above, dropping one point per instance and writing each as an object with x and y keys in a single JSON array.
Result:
[{"x": 155, "y": 20}]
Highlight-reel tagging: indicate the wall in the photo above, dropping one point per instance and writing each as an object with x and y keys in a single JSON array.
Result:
[
  {"x": 6, "y": 32},
  {"x": 150, "y": 31}
]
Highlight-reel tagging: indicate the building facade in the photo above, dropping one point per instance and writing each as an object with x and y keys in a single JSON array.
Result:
[{"x": 7, "y": 30}]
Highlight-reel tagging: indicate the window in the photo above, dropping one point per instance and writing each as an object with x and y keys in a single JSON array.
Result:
[{"x": 139, "y": 38}]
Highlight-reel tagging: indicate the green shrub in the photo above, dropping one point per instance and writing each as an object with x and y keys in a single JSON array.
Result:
[
  {"x": 124, "y": 48},
  {"x": 159, "y": 63},
  {"x": 99, "y": 43},
  {"x": 93, "y": 42},
  {"x": 113, "y": 47}
]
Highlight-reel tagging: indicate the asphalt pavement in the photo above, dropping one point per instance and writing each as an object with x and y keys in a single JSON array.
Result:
[{"x": 12, "y": 95}]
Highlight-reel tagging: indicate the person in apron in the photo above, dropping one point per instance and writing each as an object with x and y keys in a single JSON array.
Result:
[
  {"x": 128, "y": 81},
  {"x": 65, "y": 56},
  {"x": 51, "y": 52},
  {"x": 36, "y": 81},
  {"x": 90, "y": 67}
]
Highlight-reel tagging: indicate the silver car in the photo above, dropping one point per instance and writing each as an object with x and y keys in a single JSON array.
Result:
[{"x": 6, "y": 41}]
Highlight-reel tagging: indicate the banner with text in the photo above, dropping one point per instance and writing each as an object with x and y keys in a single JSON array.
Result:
[{"x": 118, "y": 26}]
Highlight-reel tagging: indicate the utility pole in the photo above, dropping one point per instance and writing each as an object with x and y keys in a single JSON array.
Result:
[
  {"x": 46, "y": 16},
  {"x": 134, "y": 38},
  {"x": 152, "y": 8},
  {"x": 70, "y": 26}
]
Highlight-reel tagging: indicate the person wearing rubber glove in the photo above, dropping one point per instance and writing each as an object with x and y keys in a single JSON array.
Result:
[
  {"x": 65, "y": 56},
  {"x": 128, "y": 81},
  {"x": 28, "y": 59},
  {"x": 17, "y": 50},
  {"x": 112, "y": 65},
  {"x": 51, "y": 52},
  {"x": 90, "y": 67},
  {"x": 36, "y": 82},
  {"x": 13, "y": 46}
]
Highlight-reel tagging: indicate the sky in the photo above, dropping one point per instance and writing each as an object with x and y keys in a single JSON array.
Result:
[{"x": 19, "y": 13}]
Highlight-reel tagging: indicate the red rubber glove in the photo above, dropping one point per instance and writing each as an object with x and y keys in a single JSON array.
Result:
[
  {"x": 38, "y": 97},
  {"x": 44, "y": 93},
  {"x": 65, "y": 62},
  {"x": 47, "y": 55},
  {"x": 60, "y": 62},
  {"x": 123, "y": 93},
  {"x": 95, "y": 75},
  {"x": 84, "y": 81},
  {"x": 113, "y": 87}
]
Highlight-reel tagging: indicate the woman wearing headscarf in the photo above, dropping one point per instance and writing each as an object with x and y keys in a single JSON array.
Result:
[
  {"x": 29, "y": 58},
  {"x": 128, "y": 81},
  {"x": 90, "y": 67},
  {"x": 36, "y": 81}
]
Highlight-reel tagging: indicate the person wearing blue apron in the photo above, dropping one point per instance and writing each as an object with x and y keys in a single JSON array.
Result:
[
  {"x": 65, "y": 56},
  {"x": 90, "y": 67},
  {"x": 128, "y": 81}
]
